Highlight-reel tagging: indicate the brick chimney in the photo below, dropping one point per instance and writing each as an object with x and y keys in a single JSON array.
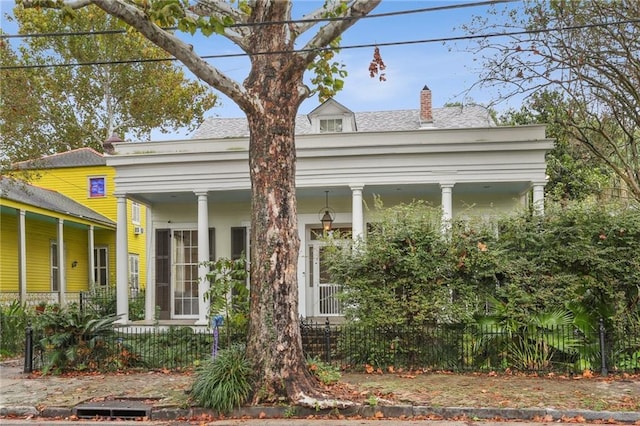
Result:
[{"x": 426, "y": 114}]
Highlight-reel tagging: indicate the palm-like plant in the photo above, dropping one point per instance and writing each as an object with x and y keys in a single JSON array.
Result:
[
  {"x": 540, "y": 342},
  {"x": 73, "y": 339}
]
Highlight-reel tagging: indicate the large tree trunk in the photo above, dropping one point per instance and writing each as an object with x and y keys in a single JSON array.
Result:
[{"x": 274, "y": 342}]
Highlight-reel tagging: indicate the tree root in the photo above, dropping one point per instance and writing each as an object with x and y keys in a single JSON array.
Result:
[{"x": 322, "y": 403}]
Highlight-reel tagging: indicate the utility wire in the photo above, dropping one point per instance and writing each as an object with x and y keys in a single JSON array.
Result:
[
  {"x": 294, "y": 21},
  {"x": 355, "y": 46}
]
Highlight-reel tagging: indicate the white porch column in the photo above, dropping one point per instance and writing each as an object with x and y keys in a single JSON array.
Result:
[
  {"x": 538, "y": 197},
  {"x": 91, "y": 261},
  {"x": 447, "y": 204},
  {"x": 62, "y": 284},
  {"x": 203, "y": 256},
  {"x": 357, "y": 216},
  {"x": 122, "y": 261},
  {"x": 150, "y": 287},
  {"x": 22, "y": 255}
]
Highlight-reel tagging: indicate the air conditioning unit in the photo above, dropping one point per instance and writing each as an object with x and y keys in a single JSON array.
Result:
[{"x": 138, "y": 230}]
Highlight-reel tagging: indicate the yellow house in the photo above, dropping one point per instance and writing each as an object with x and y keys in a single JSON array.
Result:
[
  {"x": 45, "y": 243},
  {"x": 81, "y": 176}
]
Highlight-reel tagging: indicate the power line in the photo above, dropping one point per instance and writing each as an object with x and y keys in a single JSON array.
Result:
[
  {"x": 294, "y": 21},
  {"x": 355, "y": 46}
]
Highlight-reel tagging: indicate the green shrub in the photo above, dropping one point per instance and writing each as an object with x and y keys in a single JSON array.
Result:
[
  {"x": 13, "y": 321},
  {"x": 229, "y": 297},
  {"x": 174, "y": 348},
  {"x": 223, "y": 383},
  {"x": 326, "y": 373},
  {"x": 409, "y": 273},
  {"x": 102, "y": 300},
  {"x": 75, "y": 340}
]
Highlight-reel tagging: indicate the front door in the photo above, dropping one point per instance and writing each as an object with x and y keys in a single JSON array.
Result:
[{"x": 324, "y": 292}]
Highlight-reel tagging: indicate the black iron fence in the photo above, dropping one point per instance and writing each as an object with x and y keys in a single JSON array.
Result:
[
  {"x": 353, "y": 347},
  {"x": 102, "y": 300},
  {"x": 476, "y": 348},
  {"x": 121, "y": 348}
]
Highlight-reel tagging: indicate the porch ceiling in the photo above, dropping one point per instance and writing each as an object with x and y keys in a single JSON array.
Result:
[{"x": 406, "y": 190}]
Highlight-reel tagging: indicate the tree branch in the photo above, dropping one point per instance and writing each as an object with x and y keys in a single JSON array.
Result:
[
  {"x": 176, "y": 47},
  {"x": 137, "y": 19},
  {"x": 334, "y": 29},
  {"x": 219, "y": 9}
]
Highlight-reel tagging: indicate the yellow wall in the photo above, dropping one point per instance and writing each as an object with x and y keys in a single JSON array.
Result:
[
  {"x": 8, "y": 252},
  {"x": 73, "y": 182},
  {"x": 40, "y": 233}
]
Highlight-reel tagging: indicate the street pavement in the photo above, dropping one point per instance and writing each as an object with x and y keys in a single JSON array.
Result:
[{"x": 55, "y": 400}]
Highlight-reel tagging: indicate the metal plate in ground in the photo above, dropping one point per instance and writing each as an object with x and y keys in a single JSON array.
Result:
[{"x": 114, "y": 409}]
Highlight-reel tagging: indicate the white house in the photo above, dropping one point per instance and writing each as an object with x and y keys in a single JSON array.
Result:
[{"x": 198, "y": 191}]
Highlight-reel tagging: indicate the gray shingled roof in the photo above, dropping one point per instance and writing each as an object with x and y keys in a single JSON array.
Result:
[
  {"x": 22, "y": 192},
  {"x": 74, "y": 158},
  {"x": 454, "y": 117}
]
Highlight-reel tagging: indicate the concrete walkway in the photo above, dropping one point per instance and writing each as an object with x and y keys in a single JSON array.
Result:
[{"x": 162, "y": 398}]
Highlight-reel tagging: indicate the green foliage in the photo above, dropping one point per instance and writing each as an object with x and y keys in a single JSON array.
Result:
[
  {"x": 224, "y": 383},
  {"x": 13, "y": 321},
  {"x": 229, "y": 296},
  {"x": 574, "y": 173},
  {"x": 407, "y": 272},
  {"x": 74, "y": 340},
  {"x": 328, "y": 76},
  {"x": 582, "y": 64},
  {"x": 102, "y": 300},
  {"x": 534, "y": 345},
  {"x": 326, "y": 373},
  {"x": 410, "y": 273},
  {"x": 174, "y": 348},
  {"x": 49, "y": 110},
  {"x": 401, "y": 346}
]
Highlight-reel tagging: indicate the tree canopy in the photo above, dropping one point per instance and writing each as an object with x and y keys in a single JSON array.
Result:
[
  {"x": 46, "y": 109},
  {"x": 589, "y": 53},
  {"x": 574, "y": 173}
]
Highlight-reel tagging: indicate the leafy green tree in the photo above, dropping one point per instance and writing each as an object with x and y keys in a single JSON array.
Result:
[
  {"x": 45, "y": 110},
  {"x": 588, "y": 52},
  {"x": 574, "y": 174},
  {"x": 280, "y": 54}
]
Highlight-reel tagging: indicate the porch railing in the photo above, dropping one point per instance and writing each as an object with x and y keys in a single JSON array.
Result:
[{"x": 330, "y": 305}]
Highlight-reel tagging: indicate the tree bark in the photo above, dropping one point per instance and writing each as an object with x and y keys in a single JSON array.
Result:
[{"x": 274, "y": 342}]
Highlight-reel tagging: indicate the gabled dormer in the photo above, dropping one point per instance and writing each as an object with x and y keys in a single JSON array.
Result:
[{"x": 332, "y": 117}]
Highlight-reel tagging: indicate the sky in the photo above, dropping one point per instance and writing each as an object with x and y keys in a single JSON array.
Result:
[{"x": 445, "y": 68}]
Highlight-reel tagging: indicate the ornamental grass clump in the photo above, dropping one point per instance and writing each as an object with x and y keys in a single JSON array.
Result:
[{"x": 223, "y": 383}]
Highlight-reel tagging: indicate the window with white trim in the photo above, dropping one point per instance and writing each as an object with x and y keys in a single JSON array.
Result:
[
  {"x": 97, "y": 187},
  {"x": 134, "y": 273},
  {"x": 330, "y": 125},
  {"x": 135, "y": 213}
]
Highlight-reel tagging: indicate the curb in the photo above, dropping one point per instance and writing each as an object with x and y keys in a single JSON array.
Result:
[{"x": 383, "y": 412}]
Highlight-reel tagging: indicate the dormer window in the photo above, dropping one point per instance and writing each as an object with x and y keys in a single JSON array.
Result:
[
  {"x": 330, "y": 125},
  {"x": 331, "y": 117}
]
